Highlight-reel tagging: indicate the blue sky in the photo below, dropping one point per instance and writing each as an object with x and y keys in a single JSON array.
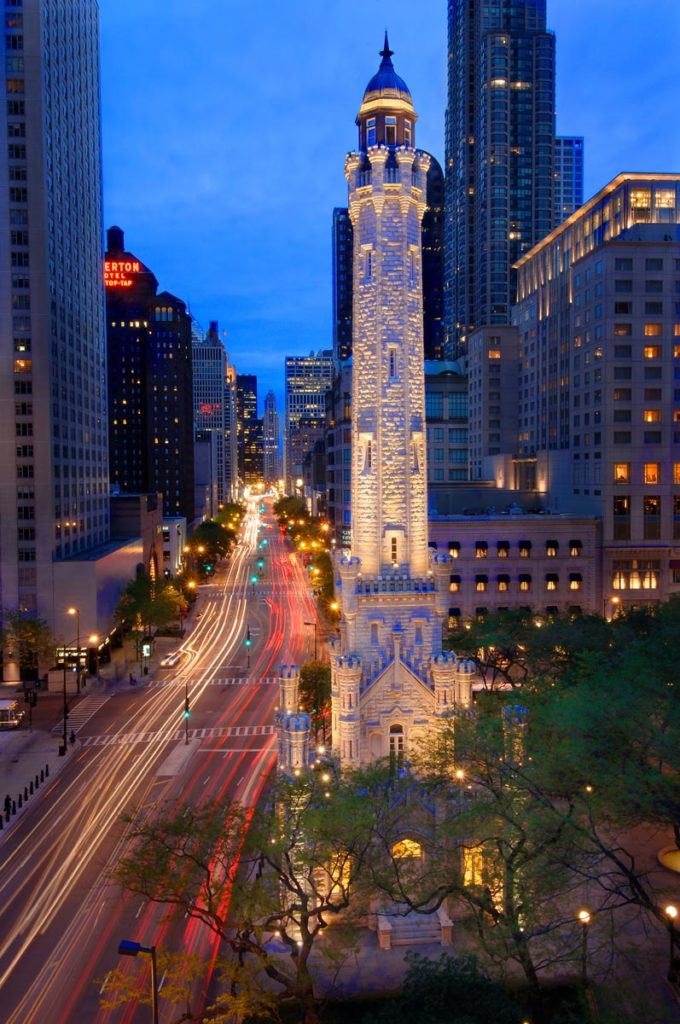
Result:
[{"x": 225, "y": 127}]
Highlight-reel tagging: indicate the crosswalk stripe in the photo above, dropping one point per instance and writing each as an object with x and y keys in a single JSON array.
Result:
[
  {"x": 82, "y": 713},
  {"x": 230, "y": 681},
  {"x": 124, "y": 739}
]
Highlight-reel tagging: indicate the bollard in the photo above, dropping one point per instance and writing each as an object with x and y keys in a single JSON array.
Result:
[
  {"x": 1, "y": 824},
  {"x": 42, "y": 774},
  {"x": 47, "y": 771},
  {"x": 30, "y": 788},
  {"x": 37, "y": 782},
  {"x": 25, "y": 793},
  {"x": 19, "y": 800},
  {"x": 14, "y": 807}
]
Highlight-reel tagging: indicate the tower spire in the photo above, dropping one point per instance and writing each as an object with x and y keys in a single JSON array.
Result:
[{"x": 386, "y": 53}]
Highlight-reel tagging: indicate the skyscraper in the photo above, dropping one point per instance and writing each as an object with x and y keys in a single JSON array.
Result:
[
  {"x": 568, "y": 176},
  {"x": 342, "y": 285},
  {"x": 54, "y": 489},
  {"x": 151, "y": 434},
  {"x": 250, "y": 431},
  {"x": 500, "y": 155},
  {"x": 272, "y": 461},
  {"x": 210, "y": 408},
  {"x": 308, "y": 378}
]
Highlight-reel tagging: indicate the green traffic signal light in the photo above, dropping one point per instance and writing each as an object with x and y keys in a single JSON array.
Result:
[
  {"x": 248, "y": 640},
  {"x": 253, "y": 578},
  {"x": 187, "y": 711},
  {"x": 260, "y": 563}
]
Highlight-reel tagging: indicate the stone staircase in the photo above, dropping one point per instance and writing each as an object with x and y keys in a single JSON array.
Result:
[{"x": 414, "y": 929}]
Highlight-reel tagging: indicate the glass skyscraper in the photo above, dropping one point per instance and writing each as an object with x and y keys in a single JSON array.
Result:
[{"x": 500, "y": 155}]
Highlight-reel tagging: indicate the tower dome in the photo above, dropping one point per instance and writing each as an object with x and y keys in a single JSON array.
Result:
[{"x": 386, "y": 117}]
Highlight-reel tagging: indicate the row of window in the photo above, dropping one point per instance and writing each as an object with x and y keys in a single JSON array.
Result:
[
  {"x": 651, "y": 473},
  {"x": 524, "y": 581},
  {"x": 482, "y": 613},
  {"x": 503, "y": 548}
]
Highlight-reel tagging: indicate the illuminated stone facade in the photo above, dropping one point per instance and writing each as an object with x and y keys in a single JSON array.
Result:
[{"x": 389, "y": 677}]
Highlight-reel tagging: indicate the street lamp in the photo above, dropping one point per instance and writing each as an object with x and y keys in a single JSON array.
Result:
[
  {"x": 187, "y": 712},
  {"x": 584, "y": 918},
  {"x": 313, "y": 624},
  {"x": 671, "y": 913},
  {"x": 128, "y": 948},
  {"x": 76, "y": 612},
  {"x": 93, "y": 641}
]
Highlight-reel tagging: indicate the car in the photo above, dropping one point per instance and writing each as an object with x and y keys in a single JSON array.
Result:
[{"x": 170, "y": 660}]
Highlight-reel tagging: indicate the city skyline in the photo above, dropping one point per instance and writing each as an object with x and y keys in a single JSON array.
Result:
[{"x": 220, "y": 168}]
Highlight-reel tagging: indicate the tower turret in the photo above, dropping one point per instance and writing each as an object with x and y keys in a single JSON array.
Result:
[
  {"x": 386, "y": 117},
  {"x": 289, "y": 681}
]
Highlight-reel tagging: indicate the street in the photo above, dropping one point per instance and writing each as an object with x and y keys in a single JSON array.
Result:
[{"x": 61, "y": 919}]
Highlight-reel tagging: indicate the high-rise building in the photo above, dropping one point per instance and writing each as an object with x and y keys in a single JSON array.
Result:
[
  {"x": 149, "y": 335},
  {"x": 54, "y": 486},
  {"x": 270, "y": 426},
  {"x": 390, "y": 678},
  {"x": 342, "y": 285},
  {"x": 210, "y": 375},
  {"x": 596, "y": 362},
  {"x": 231, "y": 426},
  {"x": 250, "y": 430},
  {"x": 568, "y": 176},
  {"x": 500, "y": 155},
  {"x": 433, "y": 263},
  {"x": 308, "y": 378}
]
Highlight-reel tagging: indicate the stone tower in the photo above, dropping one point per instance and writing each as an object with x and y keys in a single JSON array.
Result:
[
  {"x": 393, "y": 600},
  {"x": 293, "y": 727}
]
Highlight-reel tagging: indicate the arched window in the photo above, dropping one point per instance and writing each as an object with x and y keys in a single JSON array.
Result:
[{"x": 407, "y": 848}]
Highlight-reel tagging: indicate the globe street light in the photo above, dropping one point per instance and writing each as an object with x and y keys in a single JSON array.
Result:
[
  {"x": 93, "y": 641},
  {"x": 584, "y": 918},
  {"x": 76, "y": 612},
  {"x": 128, "y": 948}
]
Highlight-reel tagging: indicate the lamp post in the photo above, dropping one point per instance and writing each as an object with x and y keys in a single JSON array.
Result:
[
  {"x": 671, "y": 913},
  {"x": 187, "y": 712},
  {"x": 314, "y": 625},
  {"x": 128, "y": 948},
  {"x": 76, "y": 612},
  {"x": 460, "y": 776},
  {"x": 62, "y": 751},
  {"x": 584, "y": 918},
  {"x": 93, "y": 641}
]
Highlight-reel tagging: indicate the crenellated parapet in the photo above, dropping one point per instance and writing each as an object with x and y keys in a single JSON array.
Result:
[
  {"x": 442, "y": 671},
  {"x": 464, "y": 677},
  {"x": 441, "y": 566},
  {"x": 289, "y": 682},
  {"x": 294, "y": 733}
]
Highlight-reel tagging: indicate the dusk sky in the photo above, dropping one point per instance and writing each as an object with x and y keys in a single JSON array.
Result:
[{"x": 225, "y": 127}]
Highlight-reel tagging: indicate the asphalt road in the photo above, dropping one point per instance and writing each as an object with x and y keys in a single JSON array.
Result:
[{"x": 61, "y": 918}]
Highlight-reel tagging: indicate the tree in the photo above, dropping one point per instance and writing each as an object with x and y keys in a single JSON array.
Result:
[
  {"x": 447, "y": 991},
  {"x": 284, "y": 869},
  {"x": 145, "y": 603},
  {"x": 26, "y": 638},
  {"x": 215, "y": 539},
  {"x": 315, "y": 693}
]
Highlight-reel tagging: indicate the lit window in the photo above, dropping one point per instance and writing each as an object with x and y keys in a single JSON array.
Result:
[
  {"x": 652, "y": 473},
  {"x": 524, "y": 548},
  {"x": 524, "y": 582},
  {"x": 653, "y": 330},
  {"x": 575, "y": 547},
  {"x": 652, "y": 351},
  {"x": 664, "y": 198},
  {"x": 551, "y": 581},
  {"x": 575, "y": 580},
  {"x": 494, "y": 353},
  {"x": 676, "y": 351},
  {"x": 481, "y": 582},
  {"x": 454, "y": 584},
  {"x": 621, "y": 472},
  {"x": 676, "y": 472},
  {"x": 551, "y": 548},
  {"x": 652, "y": 416},
  {"x": 503, "y": 582},
  {"x": 502, "y": 549},
  {"x": 454, "y": 549},
  {"x": 640, "y": 198},
  {"x": 481, "y": 549}
]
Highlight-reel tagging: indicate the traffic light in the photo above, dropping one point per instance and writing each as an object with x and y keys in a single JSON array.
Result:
[
  {"x": 187, "y": 710},
  {"x": 254, "y": 578},
  {"x": 260, "y": 563},
  {"x": 248, "y": 640},
  {"x": 208, "y": 569}
]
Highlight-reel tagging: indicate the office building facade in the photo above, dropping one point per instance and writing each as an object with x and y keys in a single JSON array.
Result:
[
  {"x": 54, "y": 493},
  {"x": 150, "y": 383},
  {"x": 598, "y": 380},
  {"x": 568, "y": 176},
  {"x": 308, "y": 378},
  {"x": 271, "y": 440}
]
